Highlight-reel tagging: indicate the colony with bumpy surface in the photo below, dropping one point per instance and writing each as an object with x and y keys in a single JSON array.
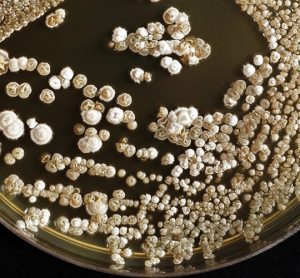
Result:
[{"x": 259, "y": 149}]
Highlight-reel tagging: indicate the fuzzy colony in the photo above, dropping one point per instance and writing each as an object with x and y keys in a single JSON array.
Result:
[{"x": 263, "y": 162}]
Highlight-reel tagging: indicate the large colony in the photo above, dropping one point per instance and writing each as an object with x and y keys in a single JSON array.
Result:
[
  {"x": 55, "y": 19},
  {"x": 259, "y": 149}
]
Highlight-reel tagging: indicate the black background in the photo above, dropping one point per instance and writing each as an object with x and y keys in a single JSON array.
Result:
[{"x": 19, "y": 259}]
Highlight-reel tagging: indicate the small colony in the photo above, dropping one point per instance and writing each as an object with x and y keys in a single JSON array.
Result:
[{"x": 259, "y": 149}]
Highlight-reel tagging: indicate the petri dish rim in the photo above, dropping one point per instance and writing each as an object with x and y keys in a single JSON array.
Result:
[{"x": 288, "y": 230}]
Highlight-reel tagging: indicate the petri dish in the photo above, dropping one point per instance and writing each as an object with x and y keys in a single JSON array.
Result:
[{"x": 81, "y": 43}]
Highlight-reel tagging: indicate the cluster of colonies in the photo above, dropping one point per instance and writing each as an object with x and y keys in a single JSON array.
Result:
[{"x": 258, "y": 150}]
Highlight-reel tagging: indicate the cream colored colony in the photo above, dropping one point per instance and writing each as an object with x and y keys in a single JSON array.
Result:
[{"x": 260, "y": 148}]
